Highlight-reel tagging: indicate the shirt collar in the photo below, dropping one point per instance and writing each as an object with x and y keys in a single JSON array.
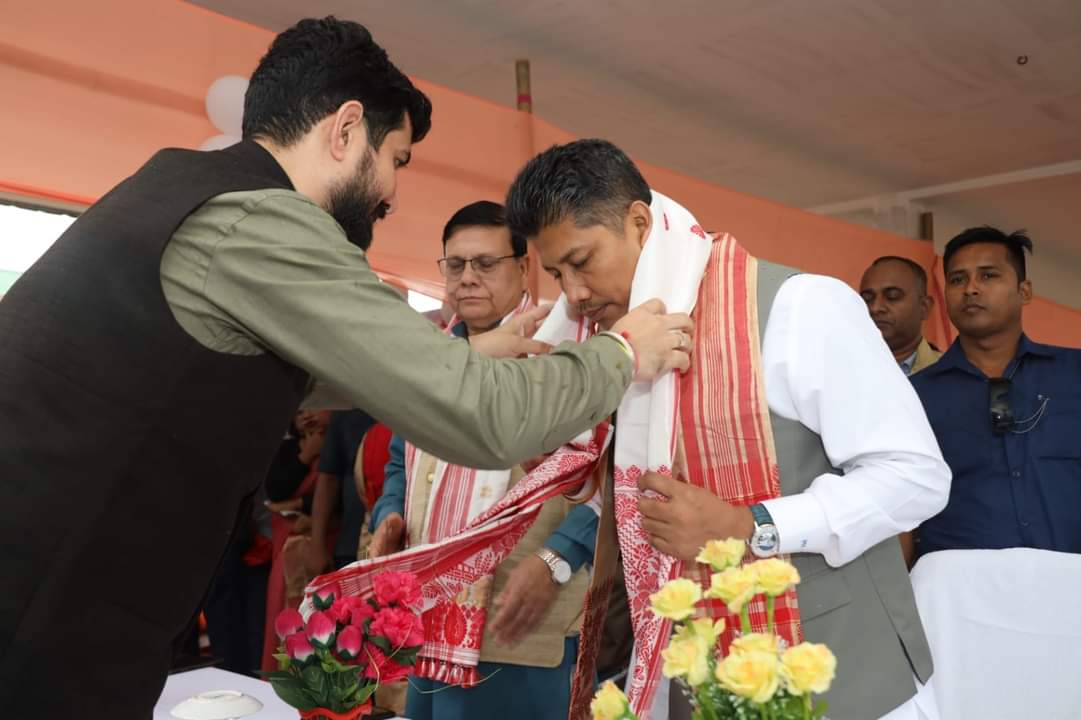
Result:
[
  {"x": 908, "y": 362},
  {"x": 954, "y": 358},
  {"x": 462, "y": 331},
  {"x": 1028, "y": 347}
]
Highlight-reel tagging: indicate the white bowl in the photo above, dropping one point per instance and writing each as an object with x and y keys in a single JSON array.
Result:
[{"x": 217, "y": 705}]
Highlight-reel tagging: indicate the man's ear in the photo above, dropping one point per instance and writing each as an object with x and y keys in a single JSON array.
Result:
[
  {"x": 1026, "y": 291},
  {"x": 927, "y": 304},
  {"x": 639, "y": 221},
  {"x": 347, "y": 129}
]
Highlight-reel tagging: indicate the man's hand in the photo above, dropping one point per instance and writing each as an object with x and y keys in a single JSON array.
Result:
[
  {"x": 514, "y": 338},
  {"x": 389, "y": 537},
  {"x": 661, "y": 342},
  {"x": 528, "y": 322},
  {"x": 525, "y": 598},
  {"x": 687, "y": 517}
]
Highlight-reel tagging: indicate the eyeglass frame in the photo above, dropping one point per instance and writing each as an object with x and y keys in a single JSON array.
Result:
[{"x": 441, "y": 263}]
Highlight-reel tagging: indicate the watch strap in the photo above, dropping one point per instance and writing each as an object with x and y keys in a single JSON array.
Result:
[
  {"x": 552, "y": 559},
  {"x": 761, "y": 515}
]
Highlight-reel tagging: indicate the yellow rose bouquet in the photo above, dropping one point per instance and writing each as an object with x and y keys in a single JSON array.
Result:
[{"x": 760, "y": 678}]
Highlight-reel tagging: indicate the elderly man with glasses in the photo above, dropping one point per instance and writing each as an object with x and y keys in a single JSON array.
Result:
[{"x": 523, "y": 619}]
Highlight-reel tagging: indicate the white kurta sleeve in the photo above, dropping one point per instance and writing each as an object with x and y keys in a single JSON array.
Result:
[{"x": 827, "y": 367}]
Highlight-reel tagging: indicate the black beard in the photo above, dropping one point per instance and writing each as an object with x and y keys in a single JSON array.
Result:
[{"x": 355, "y": 204}]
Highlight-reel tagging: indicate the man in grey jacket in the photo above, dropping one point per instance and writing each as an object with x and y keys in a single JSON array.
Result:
[{"x": 858, "y": 461}]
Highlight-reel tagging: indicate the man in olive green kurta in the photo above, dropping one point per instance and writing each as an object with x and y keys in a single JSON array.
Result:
[
  {"x": 270, "y": 271},
  {"x": 194, "y": 301}
]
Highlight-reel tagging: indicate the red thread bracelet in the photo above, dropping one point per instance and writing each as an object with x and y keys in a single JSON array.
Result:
[{"x": 634, "y": 353}]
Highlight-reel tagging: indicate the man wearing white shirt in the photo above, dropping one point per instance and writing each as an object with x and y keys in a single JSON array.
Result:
[
  {"x": 824, "y": 366},
  {"x": 857, "y": 458}
]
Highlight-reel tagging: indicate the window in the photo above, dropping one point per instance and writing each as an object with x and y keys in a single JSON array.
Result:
[
  {"x": 423, "y": 303},
  {"x": 26, "y": 233}
]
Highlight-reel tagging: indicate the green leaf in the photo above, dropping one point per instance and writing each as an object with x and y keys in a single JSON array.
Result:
[
  {"x": 406, "y": 657},
  {"x": 331, "y": 664},
  {"x": 381, "y": 642},
  {"x": 284, "y": 661},
  {"x": 316, "y": 682},
  {"x": 365, "y": 692},
  {"x": 291, "y": 690},
  {"x": 348, "y": 691}
]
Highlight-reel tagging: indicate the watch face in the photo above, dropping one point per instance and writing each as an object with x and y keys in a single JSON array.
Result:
[
  {"x": 765, "y": 541},
  {"x": 561, "y": 572}
]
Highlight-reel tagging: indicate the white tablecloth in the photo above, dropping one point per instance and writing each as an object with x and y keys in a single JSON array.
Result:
[
  {"x": 1005, "y": 632},
  {"x": 181, "y": 686}
]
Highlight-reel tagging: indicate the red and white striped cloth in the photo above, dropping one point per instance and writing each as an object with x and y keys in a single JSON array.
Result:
[
  {"x": 445, "y": 568},
  {"x": 719, "y": 407},
  {"x": 454, "y": 627}
]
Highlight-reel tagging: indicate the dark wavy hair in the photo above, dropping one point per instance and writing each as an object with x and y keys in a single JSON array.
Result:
[
  {"x": 483, "y": 213},
  {"x": 592, "y": 182},
  {"x": 314, "y": 67},
  {"x": 1016, "y": 243}
]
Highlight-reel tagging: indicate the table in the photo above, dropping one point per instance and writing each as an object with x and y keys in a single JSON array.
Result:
[{"x": 181, "y": 686}]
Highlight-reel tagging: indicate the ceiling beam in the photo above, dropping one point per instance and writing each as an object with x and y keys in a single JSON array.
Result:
[{"x": 1007, "y": 178}]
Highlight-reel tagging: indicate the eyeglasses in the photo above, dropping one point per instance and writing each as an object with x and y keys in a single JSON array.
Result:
[{"x": 453, "y": 267}]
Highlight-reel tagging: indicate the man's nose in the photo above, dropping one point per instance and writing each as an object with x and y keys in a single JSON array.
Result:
[
  {"x": 576, "y": 292},
  {"x": 469, "y": 275}
]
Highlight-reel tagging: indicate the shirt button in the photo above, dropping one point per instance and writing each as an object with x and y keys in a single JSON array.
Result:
[
  {"x": 1015, "y": 473},
  {"x": 431, "y": 477}
]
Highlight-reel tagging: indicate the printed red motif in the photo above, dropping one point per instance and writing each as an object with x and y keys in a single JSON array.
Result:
[{"x": 454, "y": 625}]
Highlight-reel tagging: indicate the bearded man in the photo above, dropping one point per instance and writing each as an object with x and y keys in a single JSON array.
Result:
[{"x": 197, "y": 300}]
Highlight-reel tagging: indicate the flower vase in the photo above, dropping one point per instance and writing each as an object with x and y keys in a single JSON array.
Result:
[{"x": 356, "y": 713}]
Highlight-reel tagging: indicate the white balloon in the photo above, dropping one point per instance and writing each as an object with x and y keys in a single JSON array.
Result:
[
  {"x": 219, "y": 142},
  {"x": 225, "y": 103}
]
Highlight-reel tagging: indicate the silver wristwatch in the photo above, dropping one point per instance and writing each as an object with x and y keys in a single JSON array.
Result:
[
  {"x": 765, "y": 540},
  {"x": 561, "y": 569}
]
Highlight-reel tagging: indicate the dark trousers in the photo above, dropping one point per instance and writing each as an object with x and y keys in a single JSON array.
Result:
[{"x": 236, "y": 612}]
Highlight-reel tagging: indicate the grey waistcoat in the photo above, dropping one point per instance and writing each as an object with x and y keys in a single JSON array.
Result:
[{"x": 864, "y": 610}]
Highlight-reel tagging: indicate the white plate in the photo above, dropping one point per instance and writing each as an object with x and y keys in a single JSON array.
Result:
[{"x": 217, "y": 705}]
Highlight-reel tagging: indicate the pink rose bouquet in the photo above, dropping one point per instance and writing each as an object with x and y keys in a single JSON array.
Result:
[{"x": 330, "y": 664}]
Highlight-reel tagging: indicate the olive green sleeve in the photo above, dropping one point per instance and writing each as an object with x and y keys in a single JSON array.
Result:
[{"x": 286, "y": 275}]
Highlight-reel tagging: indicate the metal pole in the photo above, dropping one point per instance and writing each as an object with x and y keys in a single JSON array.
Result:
[
  {"x": 525, "y": 98},
  {"x": 525, "y": 104}
]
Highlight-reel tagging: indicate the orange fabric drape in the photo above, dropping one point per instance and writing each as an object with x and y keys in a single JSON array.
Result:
[{"x": 938, "y": 329}]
